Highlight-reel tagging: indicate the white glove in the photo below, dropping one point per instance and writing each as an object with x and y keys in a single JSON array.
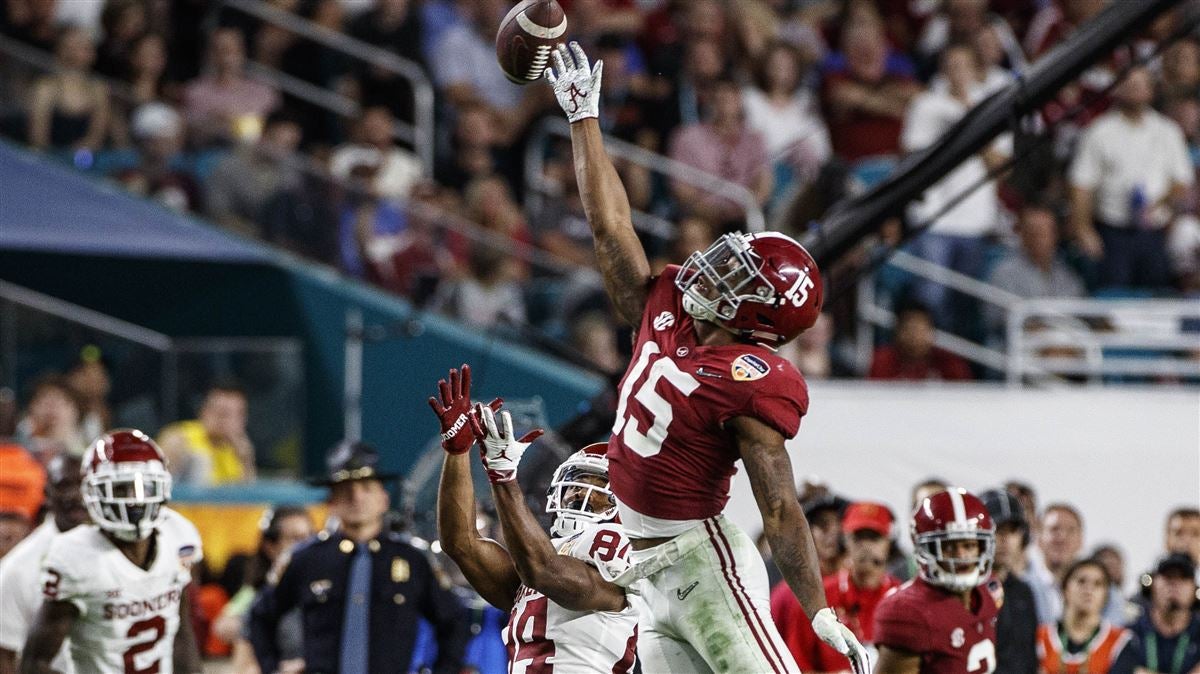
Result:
[
  {"x": 500, "y": 449},
  {"x": 576, "y": 85},
  {"x": 841, "y": 639}
]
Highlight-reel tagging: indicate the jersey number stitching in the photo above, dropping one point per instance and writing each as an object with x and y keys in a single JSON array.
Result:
[
  {"x": 159, "y": 626},
  {"x": 50, "y": 587},
  {"x": 650, "y": 443},
  {"x": 529, "y": 635},
  {"x": 982, "y": 657}
]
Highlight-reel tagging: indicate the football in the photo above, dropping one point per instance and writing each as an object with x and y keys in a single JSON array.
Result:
[{"x": 526, "y": 37}]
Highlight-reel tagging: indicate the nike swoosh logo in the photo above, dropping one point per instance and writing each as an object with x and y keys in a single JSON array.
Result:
[{"x": 682, "y": 594}]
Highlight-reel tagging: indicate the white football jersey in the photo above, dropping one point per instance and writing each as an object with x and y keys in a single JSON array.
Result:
[
  {"x": 128, "y": 616},
  {"x": 543, "y": 637},
  {"x": 21, "y": 594}
]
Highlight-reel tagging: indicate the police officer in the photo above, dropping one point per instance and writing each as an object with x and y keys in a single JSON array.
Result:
[{"x": 362, "y": 589}]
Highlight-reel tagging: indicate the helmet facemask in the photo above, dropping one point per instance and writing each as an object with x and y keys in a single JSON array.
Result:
[
  {"x": 126, "y": 499},
  {"x": 730, "y": 271},
  {"x": 954, "y": 574},
  {"x": 571, "y": 495}
]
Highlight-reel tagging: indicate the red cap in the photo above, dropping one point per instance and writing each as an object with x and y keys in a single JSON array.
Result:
[{"x": 867, "y": 515}]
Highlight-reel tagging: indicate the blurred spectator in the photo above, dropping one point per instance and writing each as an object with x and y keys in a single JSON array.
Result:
[
  {"x": 1017, "y": 623},
  {"x": 784, "y": 113},
  {"x": 303, "y": 219},
  {"x": 243, "y": 183},
  {"x": 69, "y": 109},
  {"x": 595, "y": 338},
  {"x": 464, "y": 68},
  {"x": 1025, "y": 494},
  {"x": 281, "y": 530},
  {"x": 1183, "y": 533},
  {"x": 966, "y": 22},
  {"x": 810, "y": 351},
  {"x": 1131, "y": 170},
  {"x": 91, "y": 382},
  {"x": 865, "y": 103},
  {"x": 722, "y": 145},
  {"x": 1034, "y": 270},
  {"x": 1167, "y": 636},
  {"x": 32, "y": 22},
  {"x": 52, "y": 421},
  {"x": 488, "y": 295},
  {"x": 158, "y": 131},
  {"x": 147, "y": 71},
  {"x": 398, "y": 168},
  {"x": 691, "y": 90},
  {"x": 474, "y": 149},
  {"x": 363, "y": 217},
  {"x": 1118, "y": 610},
  {"x": 824, "y": 515},
  {"x": 1181, "y": 71},
  {"x": 224, "y": 105},
  {"x": 20, "y": 586},
  {"x": 1055, "y": 21},
  {"x": 394, "y": 25},
  {"x": 852, "y": 592},
  {"x": 490, "y": 204},
  {"x": 913, "y": 356},
  {"x": 955, "y": 238},
  {"x": 123, "y": 22},
  {"x": 22, "y": 480},
  {"x": 1082, "y": 640},
  {"x": 627, "y": 92},
  {"x": 213, "y": 449},
  {"x": 1058, "y": 546}
]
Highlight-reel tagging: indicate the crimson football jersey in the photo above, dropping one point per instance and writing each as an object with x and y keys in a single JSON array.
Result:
[
  {"x": 927, "y": 620},
  {"x": 670, "y": 456}
]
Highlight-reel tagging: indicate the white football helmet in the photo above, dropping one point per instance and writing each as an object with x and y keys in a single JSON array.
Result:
[
  {"x": 125, "y": 484},
  {"x": 570, "y": 496}
]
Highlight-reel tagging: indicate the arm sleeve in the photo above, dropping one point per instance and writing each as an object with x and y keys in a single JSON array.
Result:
[
  {"x": 900, "y": 627},
  {"x": 61, "y": 580},
  {"x": 447, "y": 617},
  {"x": 779, "y": 400},
  {"x": 14, "y": 618}
]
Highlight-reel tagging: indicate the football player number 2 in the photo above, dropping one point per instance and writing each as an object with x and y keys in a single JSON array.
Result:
[
  {"x": 648, "y": 442},
  {"x": 156, "y": 625},
  {"x": 981, "y": 659}
]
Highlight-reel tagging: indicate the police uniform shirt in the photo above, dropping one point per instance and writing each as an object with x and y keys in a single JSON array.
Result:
[{"x": 404, "y": 588}]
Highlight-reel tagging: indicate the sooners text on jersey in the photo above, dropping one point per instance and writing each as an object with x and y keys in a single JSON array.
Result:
[
  {"x": 128, "y": 616},
  {"x": 670, "y": 456},
  {"x": 921, "y": 618},
  {"x": 543, "y": 637}
]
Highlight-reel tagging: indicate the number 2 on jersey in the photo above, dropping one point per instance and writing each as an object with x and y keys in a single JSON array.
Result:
[
  {"x": 159, "y": 626},
  {"x": 650, "y": 442}
]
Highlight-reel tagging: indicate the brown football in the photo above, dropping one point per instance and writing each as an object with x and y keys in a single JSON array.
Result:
[{"x": 527, "y": 35}]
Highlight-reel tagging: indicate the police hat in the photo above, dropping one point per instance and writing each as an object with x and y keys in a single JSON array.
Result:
[{"x": 352, "y": 461}]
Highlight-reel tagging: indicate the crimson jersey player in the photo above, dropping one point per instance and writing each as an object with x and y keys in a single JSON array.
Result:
[
  {"x": 944, "y": 621},
  {"x": 704, "y": 390}
]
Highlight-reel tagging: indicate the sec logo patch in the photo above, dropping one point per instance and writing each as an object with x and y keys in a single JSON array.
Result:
[{"x": 749, "y": 367}]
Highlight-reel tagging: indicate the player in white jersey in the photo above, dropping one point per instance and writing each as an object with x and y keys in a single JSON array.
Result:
[
  {"x": 21, "y": 568},
  {"x": 118, "y": 587},
  {"x": 565, "y": 616}
]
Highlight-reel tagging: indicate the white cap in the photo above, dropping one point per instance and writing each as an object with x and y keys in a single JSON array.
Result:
[{"x": 156, "y": 120}]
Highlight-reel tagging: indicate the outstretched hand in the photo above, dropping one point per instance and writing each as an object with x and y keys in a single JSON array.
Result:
[
  {"x": 831, "y": 630},
  {"x": 453, "y": 409},
  {"x": 576, "y": 83},
  {"x": 501, "y": 451}
]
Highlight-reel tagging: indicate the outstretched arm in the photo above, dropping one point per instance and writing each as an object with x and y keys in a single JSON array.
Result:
[
  {"x": 567, "y": 581},
  {"x": 770, "y": 472},
  {"x": 619, "y": 253},
  {"x": 484, "y": 562}
]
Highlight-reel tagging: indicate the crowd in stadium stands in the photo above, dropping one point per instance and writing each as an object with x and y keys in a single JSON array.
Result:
[{"x": 799, "y": 101}]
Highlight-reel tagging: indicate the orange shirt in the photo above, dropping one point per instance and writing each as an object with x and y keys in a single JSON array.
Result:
[{"x": 1096, "y": 658}]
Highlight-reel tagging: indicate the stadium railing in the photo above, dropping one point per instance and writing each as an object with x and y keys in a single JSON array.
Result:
[
  {"x": 538, "y": 188},
  {"x": 419, "y": 133},
  {"x": 1102, "y": 340}
]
